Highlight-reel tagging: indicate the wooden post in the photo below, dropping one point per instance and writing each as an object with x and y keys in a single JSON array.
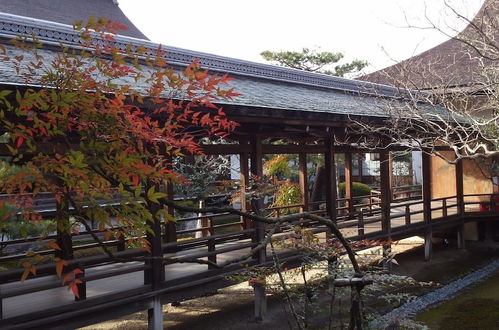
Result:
[
  {"x": 428, "y": 247},
  {"x": 303, "y": 179},
  {"x": 257, "y": 204},
  {"x": 407, "y": 215},
  {"x": 385, "y": 188},
  {"x": 201, "y": 223},
  {"x": 330, "y": 179},
  {"x": 64, "y": 239},
  {"x": 260, "y": 301},
  {"x": 170, "y": 227},
  {"x": 349, "y": 182},
  {"x": 82, "y": 287},
  {"x": 426, "y": 170},
  {"x": 121, "y": 243},
  {"x": 460, "y": 237},
  {"x": 211, "y": 224},
  {"x": 459, "y": 187},
  {"x": 360, "y": 165},
  {"x": 155, "y": 273},
  {"x": 155, "y": 315},
  {"x": 244, "y": 183},
  {"x": 360, "y": 224},
  {"x": 212, "y": 257}
]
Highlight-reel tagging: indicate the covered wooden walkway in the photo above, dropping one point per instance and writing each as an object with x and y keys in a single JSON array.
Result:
[{"x": 280, "y": 111}]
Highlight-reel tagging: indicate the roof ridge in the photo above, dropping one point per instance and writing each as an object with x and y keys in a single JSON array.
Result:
[{"x": 53, "y": 33}]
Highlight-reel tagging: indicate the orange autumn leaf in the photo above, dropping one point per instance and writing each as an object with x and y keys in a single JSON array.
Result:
[
  {"x": 60, "y": 266},
  {"x": 73, "y": 286},
  {"x": 53, "y": 245}
]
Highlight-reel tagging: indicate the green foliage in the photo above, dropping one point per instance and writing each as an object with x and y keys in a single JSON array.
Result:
[
  {"x": 278, "y": 166},
  {"x": 287, "y": 194},
  {"x": 22, "y": 228},
  {"x": 358, "y": 189},
  {"x": 314, "y": 61}
]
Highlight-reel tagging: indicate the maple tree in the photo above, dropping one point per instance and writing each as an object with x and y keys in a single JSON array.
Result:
[{"x": 94, "y": 123}]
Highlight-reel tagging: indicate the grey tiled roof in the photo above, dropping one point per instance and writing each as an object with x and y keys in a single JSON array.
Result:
[
  {"x": 70, "y": 11},
  {"x": 255, "y": 92},
  {"x": 54, "y": 34},
  {"x": 260, "y": 85}
]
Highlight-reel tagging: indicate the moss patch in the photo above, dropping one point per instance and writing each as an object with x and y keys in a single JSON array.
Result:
[{"x": 476, "y": 308}]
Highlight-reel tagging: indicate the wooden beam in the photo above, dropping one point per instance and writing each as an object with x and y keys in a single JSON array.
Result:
[
  {"x": 349, "y": 181},
  {"x": 303, "y": 179},
  {"x": 257, "y": 205},
  {"x": 385, "y": 188},
  {"x": 330, "y": 166}
]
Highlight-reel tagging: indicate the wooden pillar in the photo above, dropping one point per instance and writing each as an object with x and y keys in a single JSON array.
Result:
[
  {"x": 155, "y": 273},
  {"x": 349, "y": 182},
  {"x": 155, "y": 315},
  {"x": 170, "y": 234},
  {"x": 426, "y": 170},
  {"x": 459, "y": 187},
  {"x": 257, "y": 203},
  {"x": 330, "y": 179},
  {"x": 460, "y": 203},
  {"x": 385, "y": 189},
  {"x": 303, "y": 179},
  {"x": 360, "y": 161},
  {"x": 64, "y": 239},
  {"x": 428, "y": 247},
  {"x": 460, "y": 237},
  {"x": 202, "y": 223},
  {"x": 244, "y": 181}
]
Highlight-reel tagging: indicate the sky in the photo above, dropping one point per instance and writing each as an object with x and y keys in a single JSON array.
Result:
[{"x": 379, "y": 31}]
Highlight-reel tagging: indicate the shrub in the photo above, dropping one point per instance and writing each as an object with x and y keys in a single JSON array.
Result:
[{"x": 358, "y": 189}]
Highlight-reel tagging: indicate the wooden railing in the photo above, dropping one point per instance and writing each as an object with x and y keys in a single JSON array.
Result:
[
  {"x": 364, "y": 220},
  {"x": 404, "y": 193}
]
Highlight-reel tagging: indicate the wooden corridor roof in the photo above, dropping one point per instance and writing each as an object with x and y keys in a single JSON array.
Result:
[{"x": 260, "y": 85}]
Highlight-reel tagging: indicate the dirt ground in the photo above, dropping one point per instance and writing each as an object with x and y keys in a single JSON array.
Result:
[{"x": 232, "y": 308}]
